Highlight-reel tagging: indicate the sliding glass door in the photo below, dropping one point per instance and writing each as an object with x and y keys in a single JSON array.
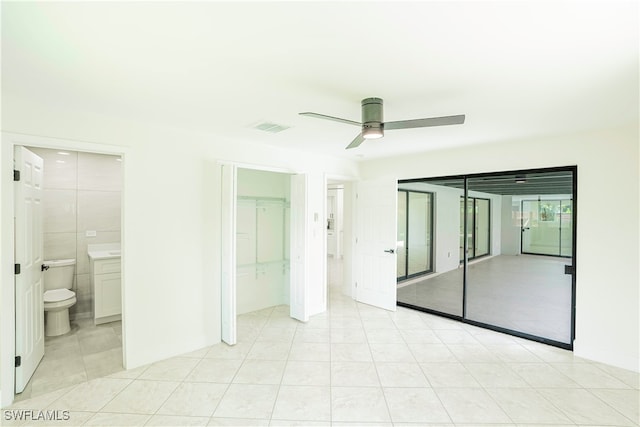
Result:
[
  {"x": 415, "y": 229},
  {"x": 440, "y": 292},
  {"x": 519, "y": 230}
]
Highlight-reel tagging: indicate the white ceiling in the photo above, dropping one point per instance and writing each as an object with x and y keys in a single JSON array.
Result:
[{"x": 516, "y": 69}]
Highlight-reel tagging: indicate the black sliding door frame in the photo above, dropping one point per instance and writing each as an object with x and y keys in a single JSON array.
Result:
[{"x": 463, "y": 318}]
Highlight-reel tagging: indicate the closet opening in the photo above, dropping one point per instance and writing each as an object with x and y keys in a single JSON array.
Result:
[{"x": 262, "y": 240}]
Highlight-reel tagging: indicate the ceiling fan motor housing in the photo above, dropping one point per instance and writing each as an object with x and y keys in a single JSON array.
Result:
[{"x": 372, "y": 118}]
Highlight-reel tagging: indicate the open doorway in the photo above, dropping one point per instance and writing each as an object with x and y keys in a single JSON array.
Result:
[
  {"x": 335, "y": 235},
  {"x": 67, "y": 209}
]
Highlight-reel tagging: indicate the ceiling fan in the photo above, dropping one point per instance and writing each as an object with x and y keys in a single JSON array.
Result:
[{"x": 373, "y": 125}]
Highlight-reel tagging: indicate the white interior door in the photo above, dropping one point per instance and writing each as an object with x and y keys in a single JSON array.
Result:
[
  {"x": 298, "y": 294},
  {"x": 228, "y": 238},
  {"x": 28, "y": 254},
  {"x": 375, "y": 257}
]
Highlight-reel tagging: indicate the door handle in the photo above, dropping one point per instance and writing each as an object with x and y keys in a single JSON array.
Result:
[
  {"x": 44, "y": 267},
  {"x": 390, "y": 251}
]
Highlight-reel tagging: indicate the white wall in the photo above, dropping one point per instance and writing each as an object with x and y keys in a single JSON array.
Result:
[
  {"x": 171, "y": 228},
  {"x": 607, "y": 320}
]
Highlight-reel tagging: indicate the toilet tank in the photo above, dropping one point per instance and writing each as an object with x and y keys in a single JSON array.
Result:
[{"x": 60, "y": 273}]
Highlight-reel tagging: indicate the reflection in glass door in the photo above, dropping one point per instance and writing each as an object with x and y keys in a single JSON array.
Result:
[
  {"x": 478, "y": 218},
  {"x": 415, "y": 228},
  {"x": 546, "y": 227}
]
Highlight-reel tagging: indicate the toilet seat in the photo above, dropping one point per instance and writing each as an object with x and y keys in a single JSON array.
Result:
[{"x": 58, "y": 295}]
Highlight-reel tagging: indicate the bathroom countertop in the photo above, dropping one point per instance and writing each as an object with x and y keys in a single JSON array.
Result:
[
  {"x": 104, "y": 251},
  {"x": 104, "y": 254}
]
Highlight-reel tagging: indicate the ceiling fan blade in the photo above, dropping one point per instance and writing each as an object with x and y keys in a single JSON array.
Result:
[
  {"x": 422, "y": 123},
  {"x": 335, "y": 119},
  {"x": 357, "y": 141}
]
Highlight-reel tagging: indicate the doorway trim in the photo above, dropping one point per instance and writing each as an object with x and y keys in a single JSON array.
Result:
[{"x": 7, "y": 257}]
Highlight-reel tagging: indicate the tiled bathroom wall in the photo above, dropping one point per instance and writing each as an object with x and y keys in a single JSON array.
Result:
[{"x": 81, "y": 205}]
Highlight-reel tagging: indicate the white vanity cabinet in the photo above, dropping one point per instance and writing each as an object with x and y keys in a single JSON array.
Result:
[{"x": 106, "y": 286}]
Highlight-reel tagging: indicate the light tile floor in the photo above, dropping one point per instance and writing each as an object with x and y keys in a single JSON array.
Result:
[
  {"x": 357, "y": 365},
  {"x": 85, "y": 353}
]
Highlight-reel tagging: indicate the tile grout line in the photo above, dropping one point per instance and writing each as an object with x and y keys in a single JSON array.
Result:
[
  {"x": 275, "y": 401},
  {"x": 375, "y": 366}
]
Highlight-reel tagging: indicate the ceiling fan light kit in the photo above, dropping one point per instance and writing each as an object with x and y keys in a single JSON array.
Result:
[{"x": 373, "y": 124}]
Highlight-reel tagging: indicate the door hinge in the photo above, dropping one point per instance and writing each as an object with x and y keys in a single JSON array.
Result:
[
  {"x": 356, "y": 240},
  {"x": 18, "y": 361},
  {"x": 356, "y": 284},
  {"x": 16, "y": 268},
  {"x": 16, "y": 175}
]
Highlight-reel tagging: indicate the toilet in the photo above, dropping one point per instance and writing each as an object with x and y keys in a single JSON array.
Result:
[{"x": 58, "y": 296}]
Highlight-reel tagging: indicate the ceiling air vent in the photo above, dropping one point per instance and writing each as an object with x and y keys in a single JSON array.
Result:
[{"x": 270, "y": 127}]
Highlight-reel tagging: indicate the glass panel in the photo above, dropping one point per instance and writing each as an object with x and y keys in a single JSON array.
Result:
[
  {"x": 402, "y": 239},
  {"x": 517, "y": 291},
  {"x": 482, "y": 227},
  {"x": 566, "y": 227},
  {"x": 442, "y": 290},
  {"x": 544, "y": 227},
  {"x": 419, "y": 233}
]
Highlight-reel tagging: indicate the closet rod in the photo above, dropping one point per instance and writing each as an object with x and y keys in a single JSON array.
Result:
[{"x": 272, "y": 199}]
